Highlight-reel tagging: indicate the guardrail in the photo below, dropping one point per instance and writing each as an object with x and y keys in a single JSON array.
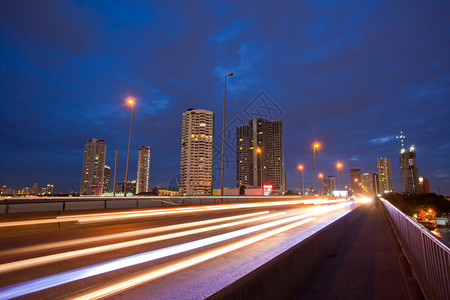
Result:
[{"x": 428, "y": 256}]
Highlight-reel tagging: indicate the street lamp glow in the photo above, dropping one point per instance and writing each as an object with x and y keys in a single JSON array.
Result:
[
  {"x": 338, "y": 166},
  {"x": 316, "y": 146},
  {"x": 300, "y": 167},
  {"x": 131, "y": 101}
]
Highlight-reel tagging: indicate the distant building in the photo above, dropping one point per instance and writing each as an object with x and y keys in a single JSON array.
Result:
[
  {"x": 267, "y": 136},
  {"x": 168, "y": 191},
  {"x": 355, "y": 180},
  {"x": 197, "y": 141},
  {"x": 35, "y": 189},
  {"x": 424, "y": 185},
  {"x": 409, "y": 172},
  {"x": 107, "y": 180},
  {"x": 143, "y": 170},
  {"x": 329, "y": 185},
  {"x": 93, "y": 167},
  {"x": 376, "y": 184},
  {"x": 49, "y": 189},
  {"x": 367, "y": 181},
  {"x": 131, "y": 187},
  {"x": 385, "y": 174}
]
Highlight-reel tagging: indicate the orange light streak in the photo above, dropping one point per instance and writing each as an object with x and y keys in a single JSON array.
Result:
[
  {"x": 17, "y": 265},
  {"x": 129, "y": 283}
]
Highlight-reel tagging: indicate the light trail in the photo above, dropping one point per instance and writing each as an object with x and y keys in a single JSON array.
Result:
[
  {"x": 114, "y": 216},
  {"x": 32, "y": 262},
  {"x": 124, "y": 234},
  {"x": 25, "y": 288},
  {"x": 174, "y": 267}
]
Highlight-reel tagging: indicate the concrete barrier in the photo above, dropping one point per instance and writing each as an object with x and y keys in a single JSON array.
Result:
[
  {"x": 84, "y": 205},
  {"x": 33, "y": 207},
  {"x": 280, "y": 277}
]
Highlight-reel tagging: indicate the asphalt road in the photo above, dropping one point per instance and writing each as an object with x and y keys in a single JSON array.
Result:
[{"x": 172, "y": 253}]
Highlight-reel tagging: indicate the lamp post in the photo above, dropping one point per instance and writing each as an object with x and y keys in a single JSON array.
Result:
[
  {"x": 321, "y": 177},
  {"x": 338, "y": 166},
  {"x": 259, "y": 150},
  {"x": 223, "y": 131},
  {"x": 300, "y": 167},
  {"x": 131, "y": 102},
  {"x": 316, "y": 145}
]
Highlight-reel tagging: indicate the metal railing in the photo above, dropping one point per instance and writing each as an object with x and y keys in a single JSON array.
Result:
[{"x": 428, "y": 256}]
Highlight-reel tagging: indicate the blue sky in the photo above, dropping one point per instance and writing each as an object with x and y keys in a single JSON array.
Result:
[{"x": 349, "y": 74}]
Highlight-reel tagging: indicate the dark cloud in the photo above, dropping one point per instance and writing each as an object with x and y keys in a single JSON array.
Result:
[{"x": 351, "y": 75}]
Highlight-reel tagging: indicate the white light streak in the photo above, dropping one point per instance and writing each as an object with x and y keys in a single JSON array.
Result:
[
  {"x": 123, "y": 234},
  {"x": 31, "y": 262},
  {"x": 137, "y": 280},
  {"x": 39, "y": 284}
]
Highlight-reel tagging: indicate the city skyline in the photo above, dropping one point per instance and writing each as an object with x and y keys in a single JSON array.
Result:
[{"x": 350, "y": 76}]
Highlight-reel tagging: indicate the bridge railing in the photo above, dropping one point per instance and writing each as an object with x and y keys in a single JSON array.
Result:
[{"x": 428, "y": 256}]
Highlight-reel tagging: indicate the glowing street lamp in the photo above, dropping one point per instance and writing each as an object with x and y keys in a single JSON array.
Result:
[
  {"x": 131, "y": 102},
  {"x": 321, "y": 177},
  {"x": 338, "y": 166},
  {"x": 300, "y": 167},
  {"x": 223, "y": 132},
  {"x": 316, "y": 146},
  {"x": 259, "y": 150}
]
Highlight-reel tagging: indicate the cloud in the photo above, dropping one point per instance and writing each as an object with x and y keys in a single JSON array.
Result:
[{"x": 383, "y": 139}]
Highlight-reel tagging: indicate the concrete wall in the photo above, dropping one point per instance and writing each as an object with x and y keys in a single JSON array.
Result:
[{"x": 280, "y": 277}]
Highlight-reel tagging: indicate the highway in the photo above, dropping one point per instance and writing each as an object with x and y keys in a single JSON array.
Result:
[{"x": 171, "y": 253}]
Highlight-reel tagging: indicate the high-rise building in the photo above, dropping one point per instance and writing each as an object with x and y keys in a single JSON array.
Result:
[
  {"x": 197, "y": 145},
  {"x": 49, "y": 189},
  {"x": 385, "y": 174},
  {"x": 367, "y": 181},
  {"x": 143, "y": 170},
  {"x": 409, "y": 172},
  {"x": 355, "y": 180},
  {"x": 107, "y": 180},
  {"x": 376, "y": 184},
  {"x": 260, "y": 152},
  {"x": 93, "y": 167},
  {"x": 329, "y": 185},
  {"x": 424, "y": 185}
]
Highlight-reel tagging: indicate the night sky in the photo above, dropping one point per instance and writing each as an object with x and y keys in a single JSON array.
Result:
[{"x": 350, "y": 75}]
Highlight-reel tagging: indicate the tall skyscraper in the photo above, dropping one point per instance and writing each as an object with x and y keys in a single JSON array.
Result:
[
  {"x": 197, "y": 145},
  {"x": 367, "y": 181},
  {"x": 376, "y": 184},
  {"x": 107, "y": 180},
  {"x": 409, "y": 172},
  {"x": 93, "y": 167},
  {"x": 355, "y": 180},
  {"x": 143, "y": 170},
  {"x": 329, "y": 185},
  {"x": 385, "y": 174},
  {"x": 260, "y": 152}
]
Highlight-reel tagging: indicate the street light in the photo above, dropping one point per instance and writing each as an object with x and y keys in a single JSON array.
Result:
[
  {"x": 223, "y": 131},
  {"x": 259, "y": 150},
  {"x": 321, "y": 177},
  {"x": 338, "y": 166},
  {"x": 300, "y": 167},
  {"x": 316, "y": 145},
  {"x": 131, "y": 102}
]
